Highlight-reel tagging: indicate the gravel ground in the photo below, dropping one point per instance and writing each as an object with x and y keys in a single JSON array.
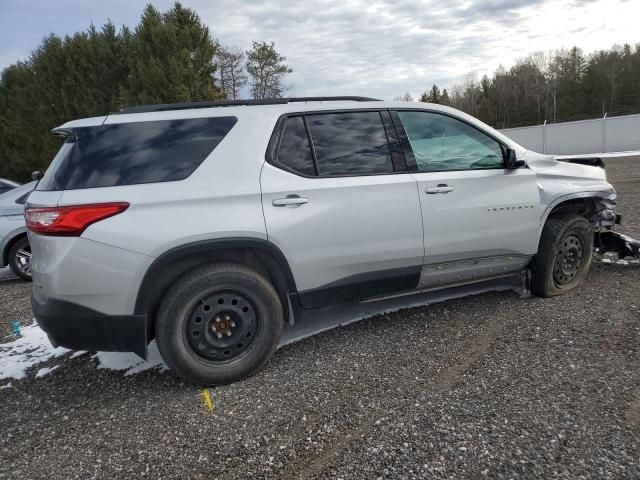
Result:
[
  {"x": 489, "y": 386},
  {"x": 14, "y": 302}
]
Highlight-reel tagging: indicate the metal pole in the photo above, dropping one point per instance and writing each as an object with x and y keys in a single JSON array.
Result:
[
  {"x": 544, "y": 137},
  {"x": 604, "y": 133}
]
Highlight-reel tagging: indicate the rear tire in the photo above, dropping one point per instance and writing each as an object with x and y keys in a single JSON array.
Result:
[
  {"x": 20, "y": 258},
  {"x": 564, "y": 256},
  {"x": 219, "y": 324}
]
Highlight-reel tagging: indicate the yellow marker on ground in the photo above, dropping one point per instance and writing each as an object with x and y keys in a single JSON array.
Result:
[{"x": 208, "y": 400}]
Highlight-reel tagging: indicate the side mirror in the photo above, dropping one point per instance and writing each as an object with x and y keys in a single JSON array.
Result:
[
  {"x": 36, "y": 175},
  {"x": 510, "y": 160}
]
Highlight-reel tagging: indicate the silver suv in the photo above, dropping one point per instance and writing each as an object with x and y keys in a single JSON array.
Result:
[{"x": 211, "y": 226}]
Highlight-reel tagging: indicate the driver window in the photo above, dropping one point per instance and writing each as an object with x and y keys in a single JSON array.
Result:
[{"x": 440, "y": 142}]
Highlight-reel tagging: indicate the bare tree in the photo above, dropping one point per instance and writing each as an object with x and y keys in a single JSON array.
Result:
[
  {"x": 232, "y": 75},
  {"x": 470, "y": 86}
]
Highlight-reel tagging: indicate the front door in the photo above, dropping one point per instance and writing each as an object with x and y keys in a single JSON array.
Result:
[
  {"x": 341, "y": 206},
  {"x": 480, "y": 219}
]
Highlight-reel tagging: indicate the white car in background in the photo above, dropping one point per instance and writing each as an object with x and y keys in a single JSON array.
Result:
[
  {"x": 6, "y": 185},
  {"x": 15, "y": 250}
]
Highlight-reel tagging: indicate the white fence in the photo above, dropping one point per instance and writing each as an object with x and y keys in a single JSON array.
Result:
[{"x": 602, "y": 135}]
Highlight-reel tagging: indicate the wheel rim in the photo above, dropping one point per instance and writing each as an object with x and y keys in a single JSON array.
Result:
[
  {"x": 568, "y": 260},
  {"x": 221, "y": 326},
  {"x": 23, "y": 260}
]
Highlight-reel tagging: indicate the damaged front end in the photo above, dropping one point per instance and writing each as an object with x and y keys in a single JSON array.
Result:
[{"x": 606, "y": 240}]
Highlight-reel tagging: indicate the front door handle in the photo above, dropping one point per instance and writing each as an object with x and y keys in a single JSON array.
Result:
[
  {"x": 440, "y": 188},
  {"x": 290, "y": 201}
]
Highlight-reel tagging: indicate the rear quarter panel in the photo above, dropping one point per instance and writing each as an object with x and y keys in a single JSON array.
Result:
[{"x": 220, "y": 199}]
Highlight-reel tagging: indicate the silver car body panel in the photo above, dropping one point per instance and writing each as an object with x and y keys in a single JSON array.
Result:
[
  {"x": 489, "y": 213},
  {"x": 88, "y": 273},
  {"x": 350, "y": 225}
]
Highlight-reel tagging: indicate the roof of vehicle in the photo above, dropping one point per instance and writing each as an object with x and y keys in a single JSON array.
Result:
[
  {"x": 244, "y": 107},
  {"x": 271, "y": 107}
]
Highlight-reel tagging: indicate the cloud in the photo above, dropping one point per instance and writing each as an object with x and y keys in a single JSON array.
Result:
[{"x": 379, "y": 48}]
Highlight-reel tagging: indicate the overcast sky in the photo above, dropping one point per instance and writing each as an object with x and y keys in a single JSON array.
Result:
[{"x": 360, "y": 47}]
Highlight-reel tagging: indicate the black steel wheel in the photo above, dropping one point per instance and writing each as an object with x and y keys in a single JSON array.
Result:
[
  {"x": 222, "y": 325},
  {"x": 564, "y": 255},
  {"x": 568, "y": 260},
  {"x": 218, "y": 324}
]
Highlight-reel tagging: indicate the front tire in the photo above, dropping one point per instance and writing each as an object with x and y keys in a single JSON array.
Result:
[
  {"x": 564, "y": 256},
  {"x": 219, "y": 324},
  {"x": 20, "y": 258}
]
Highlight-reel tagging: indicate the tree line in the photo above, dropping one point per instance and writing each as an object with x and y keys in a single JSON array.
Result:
[
  {"x": 168, "y": 57},
  {"x": 556, "y": 86}
]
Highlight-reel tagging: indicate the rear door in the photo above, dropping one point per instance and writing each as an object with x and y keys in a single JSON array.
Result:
[
  {"x": 480, "y": 219},
  {"x": 340, "y": 204}
]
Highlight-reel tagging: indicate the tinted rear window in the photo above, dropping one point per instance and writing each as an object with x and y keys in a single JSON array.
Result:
[
  {"x": 353, "y": 143},
  {"x": 135, "y": 153}
]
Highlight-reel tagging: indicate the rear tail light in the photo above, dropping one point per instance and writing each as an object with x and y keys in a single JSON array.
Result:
[{"x": 70, "y": 221}]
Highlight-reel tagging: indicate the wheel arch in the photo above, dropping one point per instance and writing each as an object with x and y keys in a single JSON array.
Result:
[
  {"x": 586, "y": 204},
  {"x": 13, "y": 237},
  {"x": 258, "y": 254}
]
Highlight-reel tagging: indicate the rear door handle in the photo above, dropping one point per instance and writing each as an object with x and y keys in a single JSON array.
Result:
[
  {"x": 440, "y": 188},
  {"x": 290, "y": 201}
]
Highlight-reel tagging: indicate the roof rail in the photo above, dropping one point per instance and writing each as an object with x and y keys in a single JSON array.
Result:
[
  {"x": 233, "y": 103},
  {"x": 333, "y": 99}
]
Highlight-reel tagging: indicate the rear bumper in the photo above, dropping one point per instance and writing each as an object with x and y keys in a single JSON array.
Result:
[{"x": 80, "y": 328}]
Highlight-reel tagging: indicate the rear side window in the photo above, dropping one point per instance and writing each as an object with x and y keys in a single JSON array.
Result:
[
  {"x": 294, "y": 152},
  {"x": 135, "y": 153},
  {"x": 353, "y": 143}
]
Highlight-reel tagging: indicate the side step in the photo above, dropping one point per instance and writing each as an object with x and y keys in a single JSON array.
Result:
[{"x": 311, "y": 322}]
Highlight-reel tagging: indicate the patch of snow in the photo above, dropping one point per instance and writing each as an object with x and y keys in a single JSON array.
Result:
[
  {"x": 46, "y": 371},
  {"x": 130, "y": 362},
  {"x": 8, "y": 385},
  {"x": 32, "y": 348}
]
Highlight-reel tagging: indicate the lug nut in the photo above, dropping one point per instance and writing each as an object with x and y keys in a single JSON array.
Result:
[
  {"x": 228, "y": 334},
  {"x": 219, "y": 335},
  {"x": 217, "y": 319},
  {"x": 227, "y": 317},
  {"x": 233, "y": 324}
]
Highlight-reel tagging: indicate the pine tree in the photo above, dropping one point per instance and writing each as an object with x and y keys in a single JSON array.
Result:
[
  {"x": 171, "y": 59},
  {"x": 444, "y": 98},
  {"x": 267, "y": 71},
  {"x": 434, "y": 94}
]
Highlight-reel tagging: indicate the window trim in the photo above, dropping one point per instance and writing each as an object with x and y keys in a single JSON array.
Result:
[
  {"x": 271, "y": 155},
  {"x": 412, "y": 165}
]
